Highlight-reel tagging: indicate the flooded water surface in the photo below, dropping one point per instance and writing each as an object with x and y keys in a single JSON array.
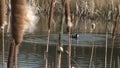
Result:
[{"x": 33, "y": 47}]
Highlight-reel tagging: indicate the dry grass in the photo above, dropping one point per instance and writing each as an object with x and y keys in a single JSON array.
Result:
[{"x": 92, "y": 9}]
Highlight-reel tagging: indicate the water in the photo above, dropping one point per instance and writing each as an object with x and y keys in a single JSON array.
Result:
[{"x": 33, "y": 46}]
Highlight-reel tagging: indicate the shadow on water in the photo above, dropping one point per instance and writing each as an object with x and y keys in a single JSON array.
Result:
[{"x": 33, "y": 47}]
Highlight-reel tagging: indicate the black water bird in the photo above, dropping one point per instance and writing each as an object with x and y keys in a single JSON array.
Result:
[{"x": 75, "y": 36}]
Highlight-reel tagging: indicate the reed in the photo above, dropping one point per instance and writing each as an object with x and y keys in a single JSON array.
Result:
[
  {"x": 106, "y": 46},
  {"x": 59, "y": 47},
  {"x": 8, "y": 15},
  {"x": 11, "y": 55},
  {"x": 93, "y": 47},
  {"x": 118, "y": 59},
  {"x": 22, "y": 19},
  {"x": 3, "y": 49},
  {"x": 49, "y": 26},
  {"x": 17, "y": 25},
  {"x": 112, "y": 4},
  {"x": 99, "y": 10},
  {"x": 92, "y": 54},
  {"x": 69, "y": 27},
  {"x": 115, "y": 25},
  {"x": 113, "y": 38},
  {"x": 112, "y": 49},
  {"x": 2, "y": 25}
]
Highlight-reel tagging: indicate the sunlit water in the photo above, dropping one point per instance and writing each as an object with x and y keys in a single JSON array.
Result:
[{"x": 32, "y": 50}]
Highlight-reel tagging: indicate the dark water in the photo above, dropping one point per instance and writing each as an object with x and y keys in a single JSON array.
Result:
[{"x": 33, "y": 46}]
